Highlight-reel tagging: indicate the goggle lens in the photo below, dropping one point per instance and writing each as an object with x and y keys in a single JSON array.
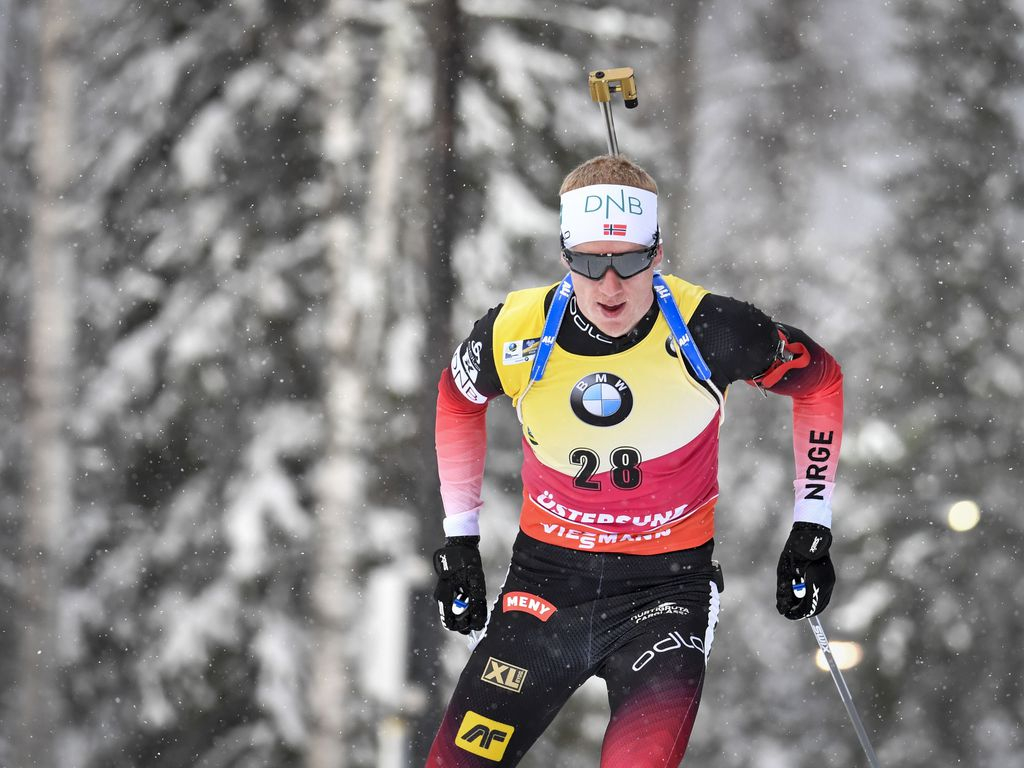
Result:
[{"x": 594, "y": 265}]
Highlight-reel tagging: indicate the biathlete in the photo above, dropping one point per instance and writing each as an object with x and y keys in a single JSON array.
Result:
[{"x": 618, "y": 375}]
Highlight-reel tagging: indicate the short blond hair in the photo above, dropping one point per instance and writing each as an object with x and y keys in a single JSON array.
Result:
[{"x": 608, "y": 169}]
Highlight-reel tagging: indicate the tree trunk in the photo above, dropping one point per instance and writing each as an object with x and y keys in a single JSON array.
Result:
[
  {"x": 443, "y": 215},
  {"x": 48, "y": 497},
  {"x": 356, "y": 316},
  {"x": 341, "y": 483},
  {"x": 387, "y": 586},
  {"x": 681, "y": 101}
]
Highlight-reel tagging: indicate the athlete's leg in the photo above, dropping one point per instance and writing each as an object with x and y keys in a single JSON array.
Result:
[
  {"x": 654, "y": 686},
  {"x": 506, "y": 696},
  {"x": 534, "y": 655}
]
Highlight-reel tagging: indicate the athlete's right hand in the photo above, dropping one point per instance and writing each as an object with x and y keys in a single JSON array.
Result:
[{"x": 460, "y": 593}]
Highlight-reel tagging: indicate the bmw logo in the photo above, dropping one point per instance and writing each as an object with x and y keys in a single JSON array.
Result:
[{"x": 601, "y": 400}]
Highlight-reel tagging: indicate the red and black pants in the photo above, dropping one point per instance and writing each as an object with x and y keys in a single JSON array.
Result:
[{"x": 644, "y": 624}]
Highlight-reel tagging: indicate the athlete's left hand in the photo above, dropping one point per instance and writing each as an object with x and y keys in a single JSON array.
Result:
[{"x": 805, "y": 573}]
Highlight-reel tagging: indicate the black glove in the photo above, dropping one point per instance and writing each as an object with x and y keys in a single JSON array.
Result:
[
  {"x": 805, "y": 561},
  {"x": 460, "y": 592}
]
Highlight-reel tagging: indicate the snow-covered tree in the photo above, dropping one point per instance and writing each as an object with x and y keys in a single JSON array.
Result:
[
  {"x": 948, "y": 382},
  {"x": 200, "y": 416},
  {"x": 38, "y": 707},
  {"x": 284, "y": 215}
]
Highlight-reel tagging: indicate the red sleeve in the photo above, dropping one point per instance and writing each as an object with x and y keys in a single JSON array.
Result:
[
  {"x": 461, "y": 440},
  {"x": 811, "y": 376}
]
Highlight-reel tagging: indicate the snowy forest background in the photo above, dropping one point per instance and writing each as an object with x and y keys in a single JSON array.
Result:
[{"x": 238, "y": 241}]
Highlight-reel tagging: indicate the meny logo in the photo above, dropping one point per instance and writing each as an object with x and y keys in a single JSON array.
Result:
[{"x": 527, "y": 603}]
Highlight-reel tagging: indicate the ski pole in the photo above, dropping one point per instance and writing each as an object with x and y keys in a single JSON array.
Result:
[
  {"x": 603, "y": 83},
  {"x": 844, "y": 691}
]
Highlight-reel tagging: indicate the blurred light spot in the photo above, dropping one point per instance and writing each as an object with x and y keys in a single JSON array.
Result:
[
  {"x": 846, "y": 654},
  {"x": 964, "y": 515}
]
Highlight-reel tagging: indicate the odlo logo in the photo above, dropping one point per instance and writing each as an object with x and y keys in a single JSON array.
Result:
[
  {"x": 483, "y": 736},
  {"x": 601, "y": 399}
]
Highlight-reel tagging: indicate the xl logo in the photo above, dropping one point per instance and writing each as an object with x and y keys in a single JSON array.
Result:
[
  {"x": 483, "y": 736},
  {"x": 504, "y": 675}
]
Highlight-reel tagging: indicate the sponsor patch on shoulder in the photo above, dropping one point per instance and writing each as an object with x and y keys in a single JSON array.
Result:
[
  {"x": 522, "y": 351},
  {"x": 465, "y": 370}
]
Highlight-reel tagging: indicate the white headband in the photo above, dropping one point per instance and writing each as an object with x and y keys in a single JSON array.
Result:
[{"x": 609, "y": 212}]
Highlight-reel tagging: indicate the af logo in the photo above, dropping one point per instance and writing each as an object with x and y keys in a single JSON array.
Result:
[
  {"x": 601, "y": 400},
  {"x": 483, "y": 736},
  {"x": 504, "y": 675}
]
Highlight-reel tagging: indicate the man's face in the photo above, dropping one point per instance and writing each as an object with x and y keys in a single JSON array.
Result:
[{"x": 612, "y": 303}]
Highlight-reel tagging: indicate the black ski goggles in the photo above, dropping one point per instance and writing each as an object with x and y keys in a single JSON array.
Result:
[{"x": 625, "y": 265}]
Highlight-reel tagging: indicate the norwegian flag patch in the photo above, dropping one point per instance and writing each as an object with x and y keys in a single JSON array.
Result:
[{"x": 619, "y": 230}]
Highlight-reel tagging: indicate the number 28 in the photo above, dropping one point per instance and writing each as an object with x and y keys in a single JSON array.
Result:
[{"x": 625, "y": 472}]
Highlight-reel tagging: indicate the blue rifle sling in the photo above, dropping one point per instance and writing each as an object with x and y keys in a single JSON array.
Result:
[{"x": 680, "y": 333}]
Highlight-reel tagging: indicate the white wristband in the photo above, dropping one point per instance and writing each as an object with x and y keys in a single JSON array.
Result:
[{"x": 463, "y": 524}]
